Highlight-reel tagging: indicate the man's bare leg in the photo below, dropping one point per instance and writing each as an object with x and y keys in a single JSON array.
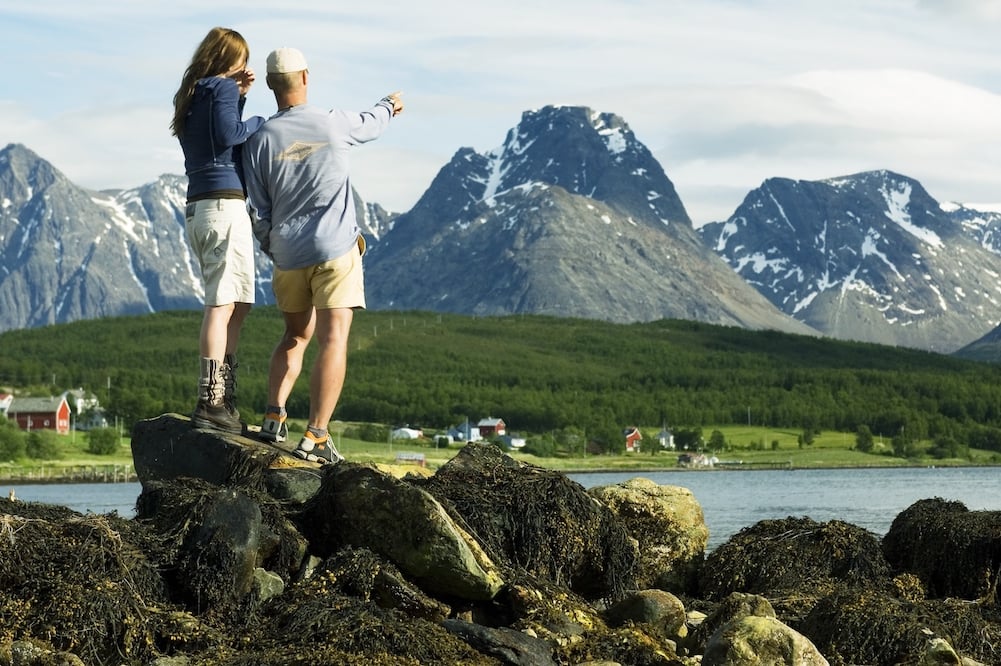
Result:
[
  {"x": 333, "y": 327},
  {"x": 286, "y": 359}
]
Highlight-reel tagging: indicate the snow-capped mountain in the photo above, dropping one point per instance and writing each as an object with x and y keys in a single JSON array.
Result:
[
  {"x": 869, "y": 257},
  {"x": 69, "y": 253},
  {"x": 570, "y": 216}
]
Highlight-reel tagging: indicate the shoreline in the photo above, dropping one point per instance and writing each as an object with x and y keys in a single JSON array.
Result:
[
  {"x": 124, "y": 472},
  {"x": 67, "y": 474}
]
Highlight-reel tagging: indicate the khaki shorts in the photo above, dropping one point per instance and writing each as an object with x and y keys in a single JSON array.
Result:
[
  {"x": 338, "y": 283},
  {"x": 220, "y": 236}
]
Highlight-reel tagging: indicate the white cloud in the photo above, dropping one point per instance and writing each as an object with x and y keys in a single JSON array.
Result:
[{"x": 725, "y": 94}]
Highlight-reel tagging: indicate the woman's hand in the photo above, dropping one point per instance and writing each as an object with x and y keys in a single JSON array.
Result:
[{"x": 244, "y": 79}]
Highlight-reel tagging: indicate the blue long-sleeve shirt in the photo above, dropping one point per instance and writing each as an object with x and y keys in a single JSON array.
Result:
[
  {"x": 213, "y": 132},
  {"x": 298, "y": 184}
]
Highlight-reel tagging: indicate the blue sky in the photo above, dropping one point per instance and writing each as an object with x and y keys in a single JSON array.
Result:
[{"x": 726, "y": 93}]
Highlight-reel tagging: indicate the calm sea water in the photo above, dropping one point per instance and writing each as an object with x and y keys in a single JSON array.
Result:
[
  {"x": 869, "y": 498},
  {"x": 730, "y": 500}
]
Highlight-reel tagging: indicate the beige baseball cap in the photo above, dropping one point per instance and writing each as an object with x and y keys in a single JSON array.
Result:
[{"x": 286, "y": 59}]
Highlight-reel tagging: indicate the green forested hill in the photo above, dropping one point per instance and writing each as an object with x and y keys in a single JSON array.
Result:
[{"x": 537, "y": 373}]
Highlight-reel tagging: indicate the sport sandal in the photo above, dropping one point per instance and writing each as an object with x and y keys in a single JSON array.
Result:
[
  {"x": 319, "y": 452},
  {"x": 274, "y": 428}
]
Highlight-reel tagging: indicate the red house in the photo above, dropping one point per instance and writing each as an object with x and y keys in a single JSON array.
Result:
[
  {"x": 41, "y": 414},
  {"x": 491, "y": 427},
  {"x": 633, "y": 438}
]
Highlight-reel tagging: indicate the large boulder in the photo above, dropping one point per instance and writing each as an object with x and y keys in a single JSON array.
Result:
[
  {"x": 538, "y": 520},
  {"x": 954, "y": 551},
  {"x": 167, "y": 447},
  {"x": 793, "y": 562},
  {"x": 669, "y": 526},
  {"x": 358, "y": 505},
  {"x": 754, "y": 641}
]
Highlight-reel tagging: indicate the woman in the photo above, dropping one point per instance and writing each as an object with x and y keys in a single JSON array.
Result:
[{"x": 208, "y": 108}]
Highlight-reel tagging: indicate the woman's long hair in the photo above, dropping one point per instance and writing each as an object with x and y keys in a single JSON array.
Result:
[{"x": 221, "y": 49}]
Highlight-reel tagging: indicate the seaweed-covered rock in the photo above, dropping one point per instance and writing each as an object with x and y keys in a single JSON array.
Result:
[
  {"x": 627, "y": 645},
  {"x": 793, "y": 562},
  {"x": 314, "y": 622},
  {"x": 546, "y": 610},
  {"x": 70, "y": 579},
  {"x": 735, "y": 606},
  {"x": 363, "y": 574},
  {"x": 668, "y": 524},
  {"x": 222, "y": 570},
  {"x": 211, "y": 539},
  {"x": 867, "y": 625},
  {"x": 539, "y": 520},
  {"x": 358, "y": 505},
  {"x": 954, "y": 551}
]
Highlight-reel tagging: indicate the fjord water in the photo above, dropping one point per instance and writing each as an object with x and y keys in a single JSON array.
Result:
[
  {"x": 869, "y": 498},
  {"x": 731, "y": 500}
]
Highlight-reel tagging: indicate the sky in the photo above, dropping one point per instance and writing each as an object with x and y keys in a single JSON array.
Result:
[{"x": 725, "y": 93}]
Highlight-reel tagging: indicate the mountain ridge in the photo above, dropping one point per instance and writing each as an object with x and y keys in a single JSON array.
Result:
[{"x": 571, "y": 216}]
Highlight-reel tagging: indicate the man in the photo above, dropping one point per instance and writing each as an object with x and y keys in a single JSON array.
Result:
[{"x": 300, "y": 196}]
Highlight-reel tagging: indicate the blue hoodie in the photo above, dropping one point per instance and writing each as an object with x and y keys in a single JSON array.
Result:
[{"x": 213, "y": 132}]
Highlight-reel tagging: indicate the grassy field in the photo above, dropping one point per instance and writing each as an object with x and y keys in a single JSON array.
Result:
[{"x": 751, "y": 446}]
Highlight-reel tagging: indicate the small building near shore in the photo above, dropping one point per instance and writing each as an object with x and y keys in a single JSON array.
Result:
[
  {"x": 491, "y": 427},
  {"x": 41, "y": 414},
  {"x": 633, "y": 438}
]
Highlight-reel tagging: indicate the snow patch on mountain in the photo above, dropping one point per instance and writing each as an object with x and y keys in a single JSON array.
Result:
[
  {"x": 870, "y": 247},
  {"x": 897, "y": 201},
  {"x": 952, "y": 206},
  {"x": 119, "y": 216}
]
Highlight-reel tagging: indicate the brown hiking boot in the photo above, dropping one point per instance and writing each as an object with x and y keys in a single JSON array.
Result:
[
  {"x": 215, "y": 417},
  {"x": 211, "y": 412},
  {"x": 228, "y": 370}
]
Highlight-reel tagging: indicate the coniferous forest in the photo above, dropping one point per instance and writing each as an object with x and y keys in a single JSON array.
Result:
[{"x": 537, "y": 373}]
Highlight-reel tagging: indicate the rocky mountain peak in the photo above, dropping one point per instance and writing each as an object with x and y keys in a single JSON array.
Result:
[
  {"x": 23, "y": 173},
  {"x": 571, "y": 215},
  {"x": 870, "y": 256},
  {"x": 584, "y": 152}
]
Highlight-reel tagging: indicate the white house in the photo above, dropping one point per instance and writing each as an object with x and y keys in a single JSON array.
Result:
[{"x": 87, "y": 411}]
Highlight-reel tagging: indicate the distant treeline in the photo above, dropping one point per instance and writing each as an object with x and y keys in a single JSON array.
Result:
[{"x": 538, "y": 373}]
